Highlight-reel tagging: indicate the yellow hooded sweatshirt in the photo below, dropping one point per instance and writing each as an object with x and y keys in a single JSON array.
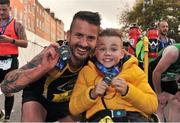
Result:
[{"x": 140, "y": 97}]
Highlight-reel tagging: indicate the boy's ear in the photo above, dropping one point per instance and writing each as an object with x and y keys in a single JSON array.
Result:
[
  {"x": 126, "y": 52},
  {"x": 122, "y": 53}
]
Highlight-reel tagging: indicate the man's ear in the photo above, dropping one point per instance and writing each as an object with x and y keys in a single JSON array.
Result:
[{"x": 68, "y": 35}]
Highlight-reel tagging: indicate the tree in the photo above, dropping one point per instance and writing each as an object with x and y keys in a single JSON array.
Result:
[{"x": 147, "y": 15}]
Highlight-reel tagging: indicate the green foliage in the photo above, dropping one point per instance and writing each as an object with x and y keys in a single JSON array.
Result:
[{"x": 147, "y": 15}]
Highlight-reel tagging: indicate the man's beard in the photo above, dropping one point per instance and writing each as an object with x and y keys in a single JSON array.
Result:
[{"x": 164, "y": 33}]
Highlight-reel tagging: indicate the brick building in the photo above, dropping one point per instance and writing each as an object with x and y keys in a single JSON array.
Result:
[
  {"x": 38, "y": 20},
  {"x": 42, "y": 27}
]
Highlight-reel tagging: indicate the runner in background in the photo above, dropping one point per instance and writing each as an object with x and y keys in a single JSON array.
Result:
[{"x": 12, "y": 36}]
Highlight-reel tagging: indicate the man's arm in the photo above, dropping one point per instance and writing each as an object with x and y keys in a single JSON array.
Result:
[
  {"x": 16, "y": 80},
  {"x": 22, "y": 39},
  {"x": 169, "y": 57}
]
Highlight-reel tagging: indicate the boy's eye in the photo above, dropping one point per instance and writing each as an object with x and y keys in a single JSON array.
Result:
[
  {"x": 102, "y": 49},
  {"x": 114, "y": 49}
]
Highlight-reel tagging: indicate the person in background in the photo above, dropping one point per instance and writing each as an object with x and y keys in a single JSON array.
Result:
[
  {"x": 166, "y": 80},
  {"x": 111, "y": 87},
  {"x": 50, "y": 79},
  {"x": 12, "y": 36},
  {"x": 164, "y": 41}
]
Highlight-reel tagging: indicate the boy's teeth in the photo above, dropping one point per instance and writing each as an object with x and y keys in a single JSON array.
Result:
[{"x": 107, "y": 60}]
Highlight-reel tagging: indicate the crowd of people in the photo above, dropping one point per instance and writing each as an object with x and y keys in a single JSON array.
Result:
[{"x": 97, "y": 79}]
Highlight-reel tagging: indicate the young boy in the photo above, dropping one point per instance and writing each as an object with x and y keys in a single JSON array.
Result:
[{"x": 112, "y": 87}]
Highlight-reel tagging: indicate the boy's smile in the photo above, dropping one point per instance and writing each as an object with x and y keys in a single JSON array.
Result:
[{"x": 108, "y": 51}]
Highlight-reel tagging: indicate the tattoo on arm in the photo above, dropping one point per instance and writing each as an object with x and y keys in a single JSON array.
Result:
[
  {"x": 37, "y": 60},
  {"x": 20, "y": 31},
  {"x": 17, "y": 79},
  {"x": 9, "y": 83},
  {"x": 34, "y": 62}
]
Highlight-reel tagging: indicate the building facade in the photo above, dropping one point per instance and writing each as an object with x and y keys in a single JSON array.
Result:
[
  {"x": 41, "y": 25},
  {"x": 38, "y": 20}
]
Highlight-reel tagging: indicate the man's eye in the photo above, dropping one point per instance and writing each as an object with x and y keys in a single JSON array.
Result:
[
  {"x": 79, "y": 35},
  {"x": 91, "y": 38}
]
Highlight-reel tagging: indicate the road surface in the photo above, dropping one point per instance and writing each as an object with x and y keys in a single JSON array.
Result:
[{"x": 16, "y": 114}]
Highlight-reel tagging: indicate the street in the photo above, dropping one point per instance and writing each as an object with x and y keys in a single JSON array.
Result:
[{"x": 15, "y": 115}]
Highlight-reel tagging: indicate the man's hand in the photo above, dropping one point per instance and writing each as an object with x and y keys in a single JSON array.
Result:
[
  {"x": 99, "y": 90},
  {"x": 120, "y": 85},
  {"x": 49, "y": 57}
]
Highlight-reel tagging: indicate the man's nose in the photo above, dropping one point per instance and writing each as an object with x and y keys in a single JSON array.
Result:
[{"x": 84, "y": 41}]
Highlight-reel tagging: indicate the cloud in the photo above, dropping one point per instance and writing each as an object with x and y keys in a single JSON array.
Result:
[{"x": 108, "y": 9}]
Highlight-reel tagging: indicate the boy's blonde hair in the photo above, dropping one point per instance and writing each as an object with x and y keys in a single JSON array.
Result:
[{"x": 111, "y": 32}]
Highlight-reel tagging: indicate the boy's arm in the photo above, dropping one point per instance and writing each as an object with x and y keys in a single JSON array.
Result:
[
  {"x": 16, "y": 80},
  {"x": 80, "y": 99}
]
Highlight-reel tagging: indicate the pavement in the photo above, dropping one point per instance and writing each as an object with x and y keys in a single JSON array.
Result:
[{"x": 16, "y": 113}]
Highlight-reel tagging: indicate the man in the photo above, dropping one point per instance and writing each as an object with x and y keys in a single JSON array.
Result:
[
  {"x": 47, "y": 98},
  {"x": 12, "y": 36},
  {"x": 165, "y": 79},
  {"x": 164, "y": 41}
]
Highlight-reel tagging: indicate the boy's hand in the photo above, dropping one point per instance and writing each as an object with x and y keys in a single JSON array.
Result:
[
  {"x": 99, "y": 90},
  {"x": 120, "y": 85}
]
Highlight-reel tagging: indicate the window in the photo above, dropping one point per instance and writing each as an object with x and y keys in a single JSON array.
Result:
[{"x": 37, "y": 22}]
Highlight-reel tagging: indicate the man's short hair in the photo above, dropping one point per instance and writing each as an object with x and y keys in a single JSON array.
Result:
[
  {"x": 5, "y": 2},
  {"x": 90, "y": 17}
]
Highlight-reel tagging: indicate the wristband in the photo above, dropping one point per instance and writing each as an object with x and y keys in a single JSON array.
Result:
[
  {"x": 126, "y": 91},
  {"x": 14, "y": 41},
  {"x": 90, "y": 94}
]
